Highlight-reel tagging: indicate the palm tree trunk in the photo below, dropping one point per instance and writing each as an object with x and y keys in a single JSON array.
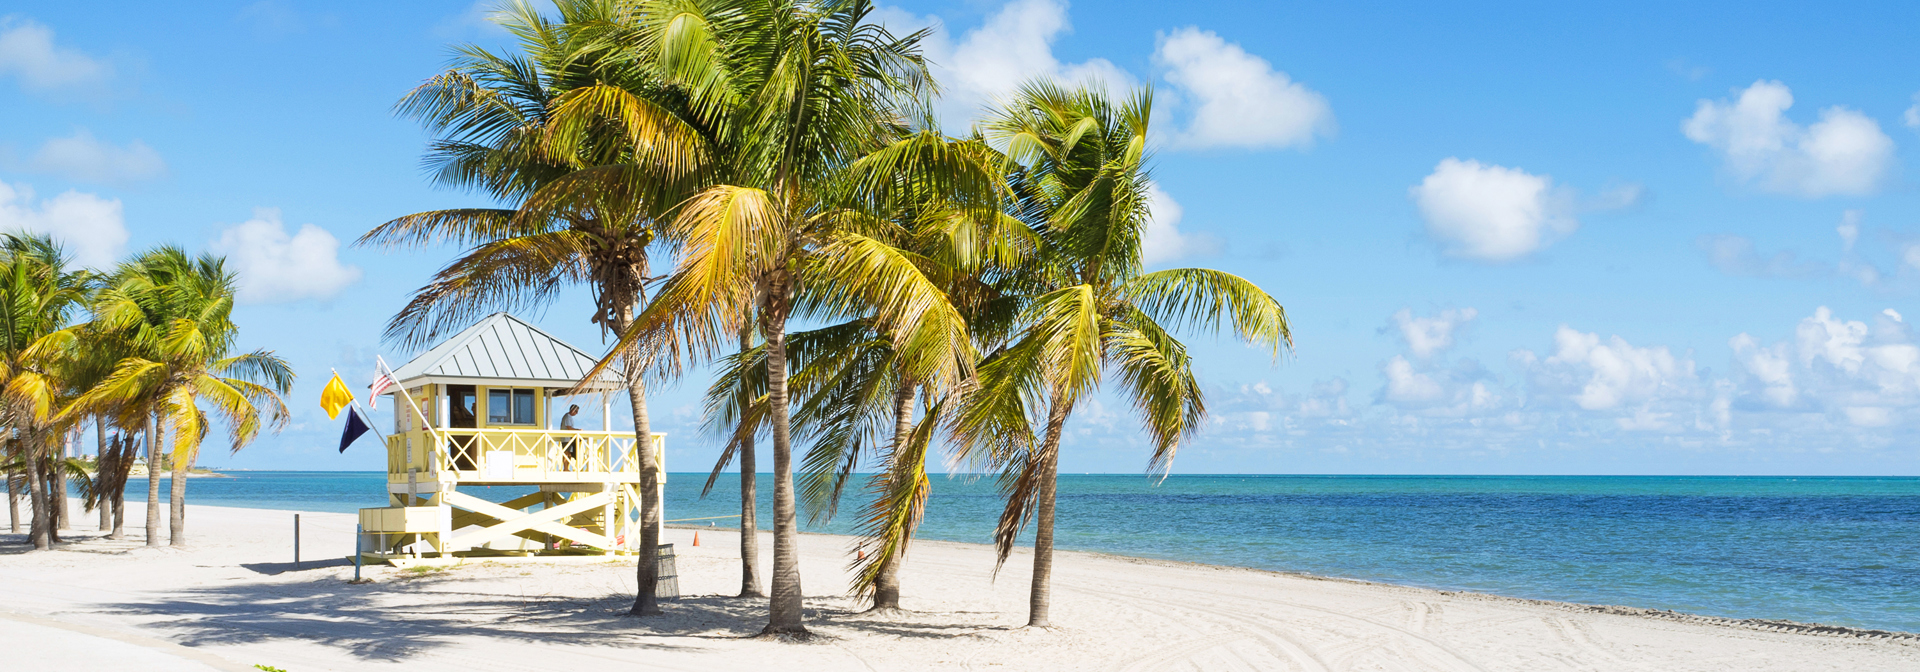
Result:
[
  {"x": 57, "y": 487},
  {"x": 153, "y": 480},
  {"x": 38, "y": 529},
  {"x": 785, "y": 610},
  {"x": 102, "y": 483},
  {"x": 177, "y": 499},
  {"x": 13, "y": 504},
  {"x": 886, "y": 585},
  {"x": 124, "y": 453},
  {"x": 646, "y": 600},
  {"x": 749, "y": 508},
  {"x": 1049, "y": 469},
  {"x": 749, "y": 524},
  {"x": 53, "y": 501}
]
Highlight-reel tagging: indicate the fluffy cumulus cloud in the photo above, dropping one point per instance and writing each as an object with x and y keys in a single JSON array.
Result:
[
  {"x": 1426, "y": 383},
  {"x": 1844, "y": 152},
  {"x": 1492, "y": 213},
  {"x": 93, "y": 229},
  {"x": 1013, "y": 45},
  {"x": 1426, "y": 336},
  {"x": 1237, "y": 99},
  {"x": 1430, "y": 389},
  {"x": 277, "y": 267},
  {"x": 85, "y": 158},
  {"x": 1610, "y": 374},
  {"x": 1849, "y": 371},
  {"x": 1228, "y": 96},
  {"x": 28, "y": 53},
  {"x": 1163, "y": 240}
]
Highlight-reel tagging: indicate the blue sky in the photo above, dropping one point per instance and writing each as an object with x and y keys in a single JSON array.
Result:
[{"x": 1513, "y": 238}]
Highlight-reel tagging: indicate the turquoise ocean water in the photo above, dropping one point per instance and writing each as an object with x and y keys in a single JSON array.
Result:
[{"x": 1831, "y": 550}]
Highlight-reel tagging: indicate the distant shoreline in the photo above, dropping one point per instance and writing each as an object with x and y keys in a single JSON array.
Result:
[{"x": 140, "y": 471}]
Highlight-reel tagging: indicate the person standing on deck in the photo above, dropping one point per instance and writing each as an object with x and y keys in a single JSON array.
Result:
[{"x": 567, "y": 425}]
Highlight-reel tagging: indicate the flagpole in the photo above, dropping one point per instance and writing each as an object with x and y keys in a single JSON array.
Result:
[
  {"x": 425, "y": 423},
  {"x": 366, "y": 414}
]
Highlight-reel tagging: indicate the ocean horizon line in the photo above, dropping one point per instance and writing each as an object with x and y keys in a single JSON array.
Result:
[{"x": 1221, "y": 474}]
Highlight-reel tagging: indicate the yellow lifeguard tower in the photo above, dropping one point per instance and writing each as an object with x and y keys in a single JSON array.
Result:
[{"x": 473, "y": 412}]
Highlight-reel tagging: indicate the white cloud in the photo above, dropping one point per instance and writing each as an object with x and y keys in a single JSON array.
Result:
[
  {"x": 1912, "y": 116},
  {"x": 82, "y": 157},
  {"x": 1233, "y": 98},
  {"x": 1771, "y": 369},
  {"x": 1012, "y": 46},
  {"x": 93, "y": 229},
  {"x": 1849, "y": 229},
  {"x": 1427, "y": 336},
  {"x": 1607, "y": 375},
  {"x": 1409, "y": 387},
  {"x": 1238, "y": 99},
  {"x": 1163, "y": 241},
  {"x": 1843, "y": 153},
  {"x": 27, "y": 51},
  {"x": 1434, "y": 389},
  {"x": 1492, "y": 213},
  {"x": 276, "y": 268},
  {"x": 1833, "y": 387},
  {"x": 1860, "y": 374}
]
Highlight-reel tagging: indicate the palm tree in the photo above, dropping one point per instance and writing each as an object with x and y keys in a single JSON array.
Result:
[
  {"x": 811, "y": 101},
  {"x": 176, "y": 313},
  {"x": 736, "y": 410},
  {"x": 840, "y": 385},
  {"x": 38, "y": 298},
  {"x": 856, "y": 402},
  {"x": 574, "y": 137},
  {"x": 1080, "y": 180}
]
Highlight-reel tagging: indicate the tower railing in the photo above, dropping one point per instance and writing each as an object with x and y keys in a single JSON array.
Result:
[{"x": 509, "y": 455}]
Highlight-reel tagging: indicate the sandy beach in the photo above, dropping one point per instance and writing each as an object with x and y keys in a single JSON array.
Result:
[{"x": 234, "y": 600}]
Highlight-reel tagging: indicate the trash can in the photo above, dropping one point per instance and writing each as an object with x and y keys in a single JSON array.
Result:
[{"x": 666, "y": 578}]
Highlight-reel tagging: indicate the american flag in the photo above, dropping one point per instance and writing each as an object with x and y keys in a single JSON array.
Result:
[{"x": 382, "y": 380}]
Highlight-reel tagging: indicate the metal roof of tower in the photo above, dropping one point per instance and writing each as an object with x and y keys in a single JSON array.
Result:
[{"x": 504, "y": 350}]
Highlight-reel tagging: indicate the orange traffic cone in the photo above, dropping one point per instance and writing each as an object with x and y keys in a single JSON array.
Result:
[{"x": 696, "y": 538}]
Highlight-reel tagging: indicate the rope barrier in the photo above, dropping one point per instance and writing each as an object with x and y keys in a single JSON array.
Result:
[{"x": 682, "y": 520}]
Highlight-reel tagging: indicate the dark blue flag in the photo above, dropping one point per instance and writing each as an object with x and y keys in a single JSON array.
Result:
[{"x": 355, "y": 427}]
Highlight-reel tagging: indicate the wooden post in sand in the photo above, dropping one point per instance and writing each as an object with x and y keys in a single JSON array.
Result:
[{"x": 296, "y": 541}]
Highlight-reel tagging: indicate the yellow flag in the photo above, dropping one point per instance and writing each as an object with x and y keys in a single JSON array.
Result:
[{"x": 336, "y": 396}]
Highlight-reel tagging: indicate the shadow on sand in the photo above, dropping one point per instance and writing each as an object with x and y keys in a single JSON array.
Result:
[
  {"x": 272, "y": 568},
  {"x": 398, "y": 617}
]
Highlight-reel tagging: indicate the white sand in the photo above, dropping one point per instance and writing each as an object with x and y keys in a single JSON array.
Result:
[{"x": 230, "y": 602}]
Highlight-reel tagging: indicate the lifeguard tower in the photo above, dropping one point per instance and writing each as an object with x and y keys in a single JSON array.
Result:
[{"x": 478, "y": 410}]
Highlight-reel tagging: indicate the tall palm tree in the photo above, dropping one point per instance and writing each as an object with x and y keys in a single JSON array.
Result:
[
  {"x": 1080, "y": 177},
  {"x": 38, "y": 298},
  {"x": 810, "y": 99},
  {"x": 579, "y": 142},
  {"x": 857, "y": 404},
  {"x": 176, "y": 313}
]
